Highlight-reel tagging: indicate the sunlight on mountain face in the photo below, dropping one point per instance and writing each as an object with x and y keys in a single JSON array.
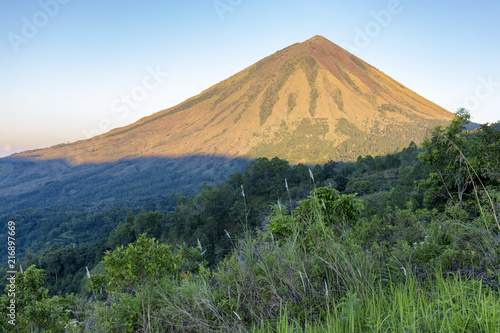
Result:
[{"x": 308, "y": 103}]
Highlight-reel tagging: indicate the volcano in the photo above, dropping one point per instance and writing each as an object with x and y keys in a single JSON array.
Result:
[{"x": 308, "y": 103}]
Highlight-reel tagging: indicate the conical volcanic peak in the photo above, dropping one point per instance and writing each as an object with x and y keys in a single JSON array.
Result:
[
  {"x": 318, "y": 39},
  {"x": 309, "y": 103}
]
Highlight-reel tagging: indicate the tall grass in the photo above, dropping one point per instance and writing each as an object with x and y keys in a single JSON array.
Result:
[
  {"x": 437, "y": 305},
  {"x": 193, "y": 305}
]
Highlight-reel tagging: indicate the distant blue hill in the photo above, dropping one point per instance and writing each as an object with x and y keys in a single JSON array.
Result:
[{"x": 472, "y": 126}]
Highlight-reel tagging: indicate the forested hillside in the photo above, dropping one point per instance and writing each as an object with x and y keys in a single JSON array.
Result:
[
  {"x": 56, "y": 202},
  {"x": 407, "y": 241}
]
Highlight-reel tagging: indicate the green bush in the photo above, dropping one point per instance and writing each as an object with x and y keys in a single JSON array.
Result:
[
  {"x": 34, "y": 309},
  {"x": 122, "y": 315},
  {"x": 323, "y": 212}
]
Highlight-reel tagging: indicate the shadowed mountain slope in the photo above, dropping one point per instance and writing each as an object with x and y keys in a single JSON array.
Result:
[{"x": 26, "y": 184}]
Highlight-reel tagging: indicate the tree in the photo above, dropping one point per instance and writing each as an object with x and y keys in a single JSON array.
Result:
[
  {"x": 137, "y": 267},
  {"x": 330, "y": 168},
  {"x": 487, "y": 144},
  {"x": 341, "y": 177},
  {"x": 259, "y": 176},
  {"x": 150, "y": 223},
  {"x": 462, "y": 163},
  {"x": 319, "y": 175},
  {"x": 123, "y": 234},
  {"x": 360, "y": 166},
  {"x": 35, "y": 310},
  {"x": 392, "y": 161},
  {"x": 280, "y": 170},
  {"x": 379, "y": 162},
  {"x": 445, "y": 151}
]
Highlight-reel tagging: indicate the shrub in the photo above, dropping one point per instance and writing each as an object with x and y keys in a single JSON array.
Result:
[{"x": 322, "y": 213}]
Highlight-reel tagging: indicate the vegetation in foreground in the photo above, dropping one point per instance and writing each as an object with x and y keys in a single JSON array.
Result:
[{"x": 321, "y": 264}]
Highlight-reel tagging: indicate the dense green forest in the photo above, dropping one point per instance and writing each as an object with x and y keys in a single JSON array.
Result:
[{"x": 404, "y": 242}]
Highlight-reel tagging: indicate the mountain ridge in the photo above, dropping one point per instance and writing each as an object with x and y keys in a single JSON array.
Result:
[{"x": 308, "y": 103}]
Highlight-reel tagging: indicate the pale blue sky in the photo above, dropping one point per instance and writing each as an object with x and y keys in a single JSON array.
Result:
[{"x": 69, "y": 67}]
